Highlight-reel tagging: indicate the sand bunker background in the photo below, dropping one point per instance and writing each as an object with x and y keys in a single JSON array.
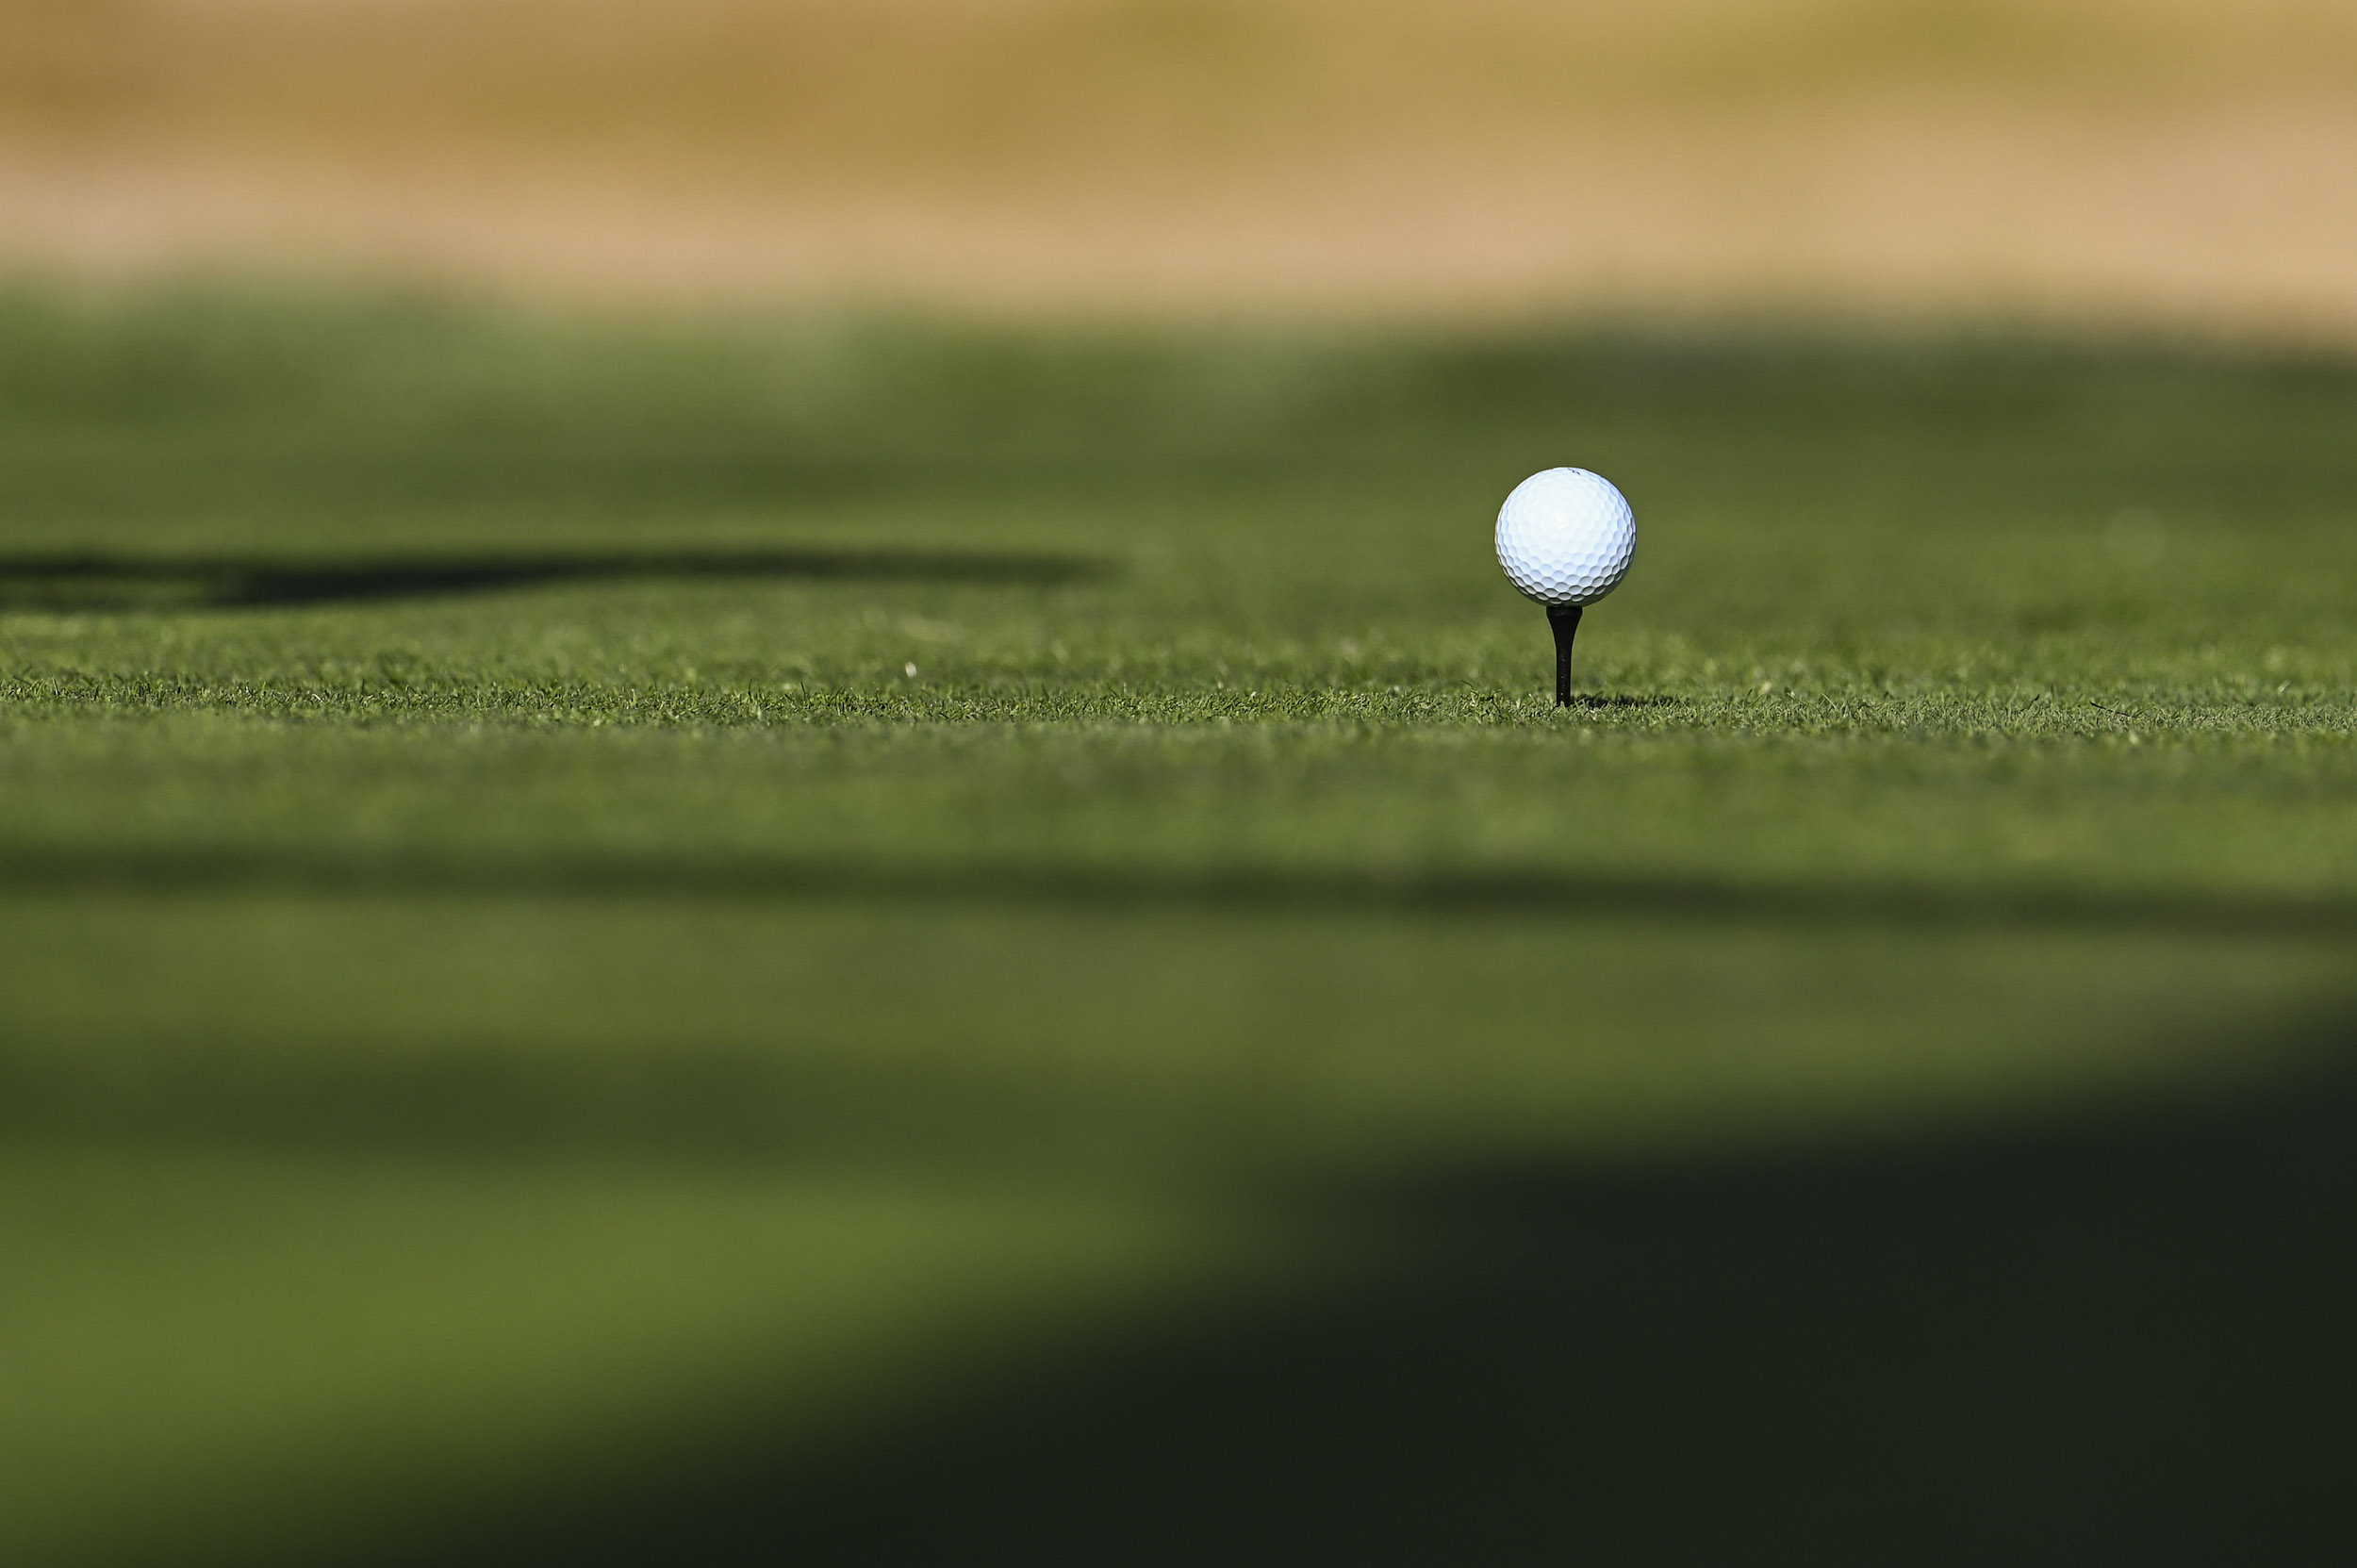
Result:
[{"x": 2152, "y": 158}]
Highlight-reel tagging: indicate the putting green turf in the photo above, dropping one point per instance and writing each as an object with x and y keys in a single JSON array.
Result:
[{"x": 560, "y": 877}]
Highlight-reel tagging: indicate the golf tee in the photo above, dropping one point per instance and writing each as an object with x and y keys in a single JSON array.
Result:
[{"x": 1565, "y": 619}]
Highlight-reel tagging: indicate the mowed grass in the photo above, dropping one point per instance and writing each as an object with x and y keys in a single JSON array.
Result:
[{"x": 573, "y": 884}]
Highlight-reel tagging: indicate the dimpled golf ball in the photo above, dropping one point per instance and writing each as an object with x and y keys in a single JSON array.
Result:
[{"x": 1565, "y": 537}]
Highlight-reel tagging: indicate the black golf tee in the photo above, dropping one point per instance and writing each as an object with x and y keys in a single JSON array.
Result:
[{"x": 1565, "y": 619}]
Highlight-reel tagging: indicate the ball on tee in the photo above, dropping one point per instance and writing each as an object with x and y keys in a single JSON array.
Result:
[{"x": 1566, "y": 536}]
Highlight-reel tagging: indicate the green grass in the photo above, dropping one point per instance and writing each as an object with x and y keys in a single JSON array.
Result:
[{"x": 462, "y": 1034}]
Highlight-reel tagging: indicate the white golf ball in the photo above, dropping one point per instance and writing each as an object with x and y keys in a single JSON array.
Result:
[{"x": 1566, "y": 536}]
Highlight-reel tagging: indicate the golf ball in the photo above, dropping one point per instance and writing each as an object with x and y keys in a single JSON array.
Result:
[{"x": 1565, "y": 537}]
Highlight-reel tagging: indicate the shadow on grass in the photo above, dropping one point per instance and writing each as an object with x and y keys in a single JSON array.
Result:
[
  {"x": 2120, "y": 1339},
  {"x": 683, "y": 1107},
  {"x": 101, "y": 582},
  {"x": 1915, "y": 906},
  {"x": 2126, "y": 1343}
]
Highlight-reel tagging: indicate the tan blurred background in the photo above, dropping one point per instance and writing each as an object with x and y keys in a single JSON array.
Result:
[{"x": 2168, "y": 160}]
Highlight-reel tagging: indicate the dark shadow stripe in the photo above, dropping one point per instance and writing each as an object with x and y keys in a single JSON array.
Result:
[
  {"x": 683, "y": 1106},
  {"x": 2126, "y": 1343},
  {"x": 98, "y": 581},
  {"x": 1571, "y": 894},
  {"x": 2121, "y": 1340}
]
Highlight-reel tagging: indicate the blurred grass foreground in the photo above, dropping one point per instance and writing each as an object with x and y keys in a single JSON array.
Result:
[{"x": 738, "y": 937}]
